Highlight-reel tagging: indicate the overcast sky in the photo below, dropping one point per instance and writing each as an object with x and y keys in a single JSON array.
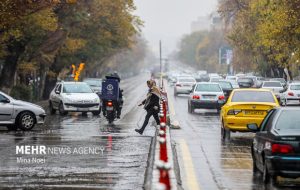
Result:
[{"x": 168, "y": 20}]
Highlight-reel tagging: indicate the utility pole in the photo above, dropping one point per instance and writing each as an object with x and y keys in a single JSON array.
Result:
[{"x": 160, "y": 62}]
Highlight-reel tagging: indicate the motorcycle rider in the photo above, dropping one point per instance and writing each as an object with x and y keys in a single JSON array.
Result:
[
  {"x": 151, "y": 105},
  {"x": 118, "y": 103}
]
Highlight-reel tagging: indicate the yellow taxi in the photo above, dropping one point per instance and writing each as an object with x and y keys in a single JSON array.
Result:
[{"x": 245, "y": 106}]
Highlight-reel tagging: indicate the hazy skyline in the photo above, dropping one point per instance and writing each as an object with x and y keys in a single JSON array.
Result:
[{"x": 169, "y": 20}]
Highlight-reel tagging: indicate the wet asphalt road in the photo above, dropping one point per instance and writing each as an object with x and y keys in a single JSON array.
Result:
[
  {"x": 208, "y": 164},
  {"x": 87, "y": 153}
]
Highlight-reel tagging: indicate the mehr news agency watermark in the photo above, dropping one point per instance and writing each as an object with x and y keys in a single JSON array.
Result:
[{"x": 28, "y": 154}]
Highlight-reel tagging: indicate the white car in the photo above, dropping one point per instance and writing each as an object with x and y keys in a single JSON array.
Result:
[
  {"x": 274, "y": 86},
  {"x": 74, "y": 97},
  {"x": 184, "y": 85},
  {"x": 19, "y": 114},
  {"x": 206, "y": 95},
  {"x": 291, "y": 94}
]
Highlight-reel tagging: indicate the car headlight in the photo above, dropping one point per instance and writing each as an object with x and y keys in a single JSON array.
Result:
[{"x": 96, "y": 100}]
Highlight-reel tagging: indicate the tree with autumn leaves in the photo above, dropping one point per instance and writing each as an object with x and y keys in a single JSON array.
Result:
[
  {"x": 45, "y": 37},
  {"x": 265, "y": 34}
]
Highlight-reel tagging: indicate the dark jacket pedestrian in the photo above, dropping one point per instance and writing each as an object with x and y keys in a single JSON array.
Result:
[{"x": 151, "y": 105}]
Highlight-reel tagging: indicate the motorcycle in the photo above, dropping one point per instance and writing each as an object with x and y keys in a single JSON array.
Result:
[
  {"x": 110, "y": 111},
  {"x": 112, "y": 98}
]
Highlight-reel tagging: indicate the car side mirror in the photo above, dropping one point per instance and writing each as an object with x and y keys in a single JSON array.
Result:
[
  {"x": 6, "y": 101},
  {"x": 252, "y": 127}
]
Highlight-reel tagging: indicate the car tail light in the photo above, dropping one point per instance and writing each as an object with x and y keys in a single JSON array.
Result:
[
  {"x": 282, "y": 148},
  {"x": 196, "y": 97},
  {"x": 221, "y": 97},
  {"x": 110, "y": 104},
  {"x": 178, "y": 85},
  {"x": 291, "y": 94},
  {"x": 234, "y": 112}
]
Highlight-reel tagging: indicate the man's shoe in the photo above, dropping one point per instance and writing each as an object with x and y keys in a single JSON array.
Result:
[{"x": 138, "y": 131}]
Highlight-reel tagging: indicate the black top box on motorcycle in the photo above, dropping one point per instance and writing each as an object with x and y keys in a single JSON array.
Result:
[{"x": 110, "y": 89}]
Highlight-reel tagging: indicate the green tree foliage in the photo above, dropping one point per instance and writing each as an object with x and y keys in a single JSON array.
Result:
[
  {"x": 188, "y": 47},
  {"x": 200, "y": 50},
  {"x": 42, "y": 38},
  {"x": 264, "y": 32}
]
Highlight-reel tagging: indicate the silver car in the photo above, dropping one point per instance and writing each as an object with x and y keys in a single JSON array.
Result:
[
  {"x": 274, "y": 86},
  {"x": 184, "y": 85},
  {"x": 95, "y": 84},
  {"x": 291, "y": 94},
  {"x": 206, "y": 95},
  {"x": 19, "y": 114}
]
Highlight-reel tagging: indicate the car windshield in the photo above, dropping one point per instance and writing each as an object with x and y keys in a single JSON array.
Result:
[
  {"x": 6, "y": 96},
  {"x": 252, "y": 96},
  {"x": 77, "y": 88},
  {"x": 93, "y": 82},
  {"x": 208, "y": 88},
  {"x": 272, "y": 84},
  {"x": 295, "y": 87},
  {"x": 288, "y": 119},
  {"x": 225, "y": 85},
  {"x": 186, "y": 80}
]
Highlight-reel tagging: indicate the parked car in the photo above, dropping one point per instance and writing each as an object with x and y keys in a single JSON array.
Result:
[
  {"x": 206, "y": 95},
  {"x": 276, "y": 145},
  {"x": 95, "y": 84},
  {"x": 291, "y": 94},
  {"x": 245, "y": 106},
  {"x": 275, "y": 86},
  {"x": 16, "y": 114},
  {"x": 184, "y": 85},
  {"x": 74, "y": 97},
  {"x": 226, "y": 87}
]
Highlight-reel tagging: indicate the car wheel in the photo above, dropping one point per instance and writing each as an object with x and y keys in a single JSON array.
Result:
[
  {"x": 96, "y": 112},
  {"x": 26, "y": 121},
  {"x": 254, "y": 167},
  {"x": 266, "y": 176},
  {"x": 61, "y": 109},
  {"x": 190, "y": 109},
  {"x": 52, "y": 110},
  {"x": 225, "y": 133},
  {"x": 12, "y": 127}
]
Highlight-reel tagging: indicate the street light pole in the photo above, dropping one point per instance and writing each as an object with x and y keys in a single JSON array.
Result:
[{"x": 160, "y": 61}]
